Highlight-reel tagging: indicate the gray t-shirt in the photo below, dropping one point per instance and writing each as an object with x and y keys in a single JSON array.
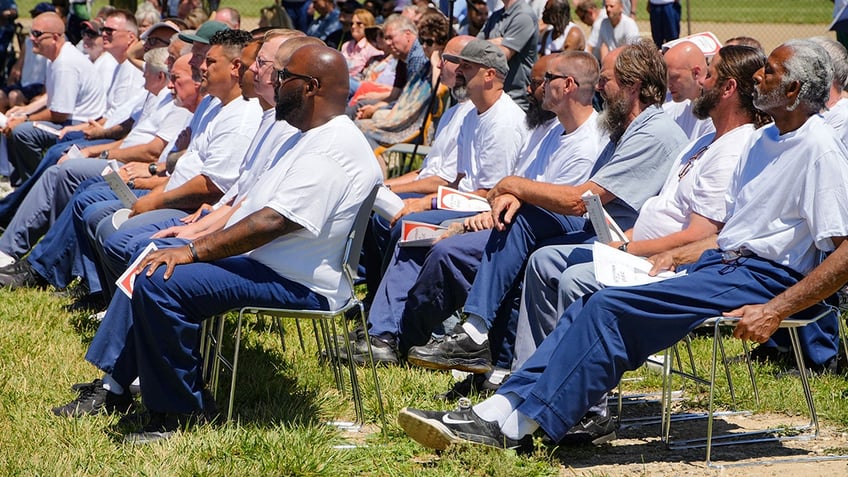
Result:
[
  {"x": 635, "y": 169},
  {"x": 519, "y": 29}
]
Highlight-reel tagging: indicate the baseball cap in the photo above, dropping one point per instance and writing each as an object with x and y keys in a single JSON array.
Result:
[
  {"x": 372, "y": 32},
  {"x": 483, "y": 53},
  {"x": 92, "y": 26},
  {"x": 166, "y": 24},
  {"x": 204, "y": 33},
  {"x": 41, "y": 8}
]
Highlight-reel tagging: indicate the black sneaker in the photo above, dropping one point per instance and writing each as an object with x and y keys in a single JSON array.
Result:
[
  {"x": 163, "y": 426},
  {"x": 454, "y": 351},
  {"x": 439, "y": 429},
  {"x": 94, "y": 399},
  {"x": 592, "y": 429},
  {"x": 384, "y": 352},
  {"x": 24, "y": 277},
  {"x": 477, "y": 384}
]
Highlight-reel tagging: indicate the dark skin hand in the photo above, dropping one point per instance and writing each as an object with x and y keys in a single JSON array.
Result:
[{"x": 251, "y": 232}]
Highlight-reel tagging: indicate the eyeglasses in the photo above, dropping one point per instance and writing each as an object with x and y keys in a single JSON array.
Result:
[
  {"x": 153, "y": 41},
  {"x": 90, "y": 33},
  {"x": 691, "y": 162},
  {"x": 284, "y": 75},
  {"x": 550, "y": 77},
  {"x": 427, "y": 41},
  {"x": 38, "y": 33},
  {"x": 260, "y": 63}
]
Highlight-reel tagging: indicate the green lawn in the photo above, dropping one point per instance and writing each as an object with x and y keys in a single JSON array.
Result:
[
  {"x": 728, "y": 11},
  {"x": 284, "y": 398}
]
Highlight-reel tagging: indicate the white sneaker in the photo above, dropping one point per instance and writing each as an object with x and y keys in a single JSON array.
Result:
[{"x": 6, "y": 259}]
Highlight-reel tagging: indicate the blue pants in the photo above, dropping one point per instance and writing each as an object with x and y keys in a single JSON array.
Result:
[
  {"x": 9, "y": 204},
  {"x": 502, "y": 268},
  {"x": 156, "y": 334},
  {"x": 665, "y": 22},
  {"x": 26, "y": 145},
  {"x": 45, "y": 202},
  {"x": 116, "y": 248},
  {"x": 615, "y": 329}
]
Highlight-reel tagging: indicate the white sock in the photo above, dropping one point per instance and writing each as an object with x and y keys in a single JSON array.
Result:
[
  {"x": 476, "y": 329},
  {"x": 498, "y": 407},
  {"x": 6, "y": 259},
  {"x": 518, "y": 425},
  {"x": 111, "y": 385}
]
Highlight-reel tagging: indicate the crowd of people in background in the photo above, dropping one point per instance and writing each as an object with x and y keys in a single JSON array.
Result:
[{"x": 244, "y": 158}]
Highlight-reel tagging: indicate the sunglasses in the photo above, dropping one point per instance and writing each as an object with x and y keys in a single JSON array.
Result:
[
  {"x": 109, "y": 31},
  {"x": 284, "y": 75},
  {"x": 427, "y": 41},
  {"x": 691, "y": 162},
  {"x": 38, "y": 33},
  {"x": 551, "y": 77},
  {"x": 154, "y": 41}
]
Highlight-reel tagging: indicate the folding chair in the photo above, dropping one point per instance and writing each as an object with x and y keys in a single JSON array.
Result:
[
  {"x": 324, "y": 323},
  {"x": 804, "y": 432}
]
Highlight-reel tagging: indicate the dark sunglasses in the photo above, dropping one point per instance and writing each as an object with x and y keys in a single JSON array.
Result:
[
  {"x": 551, "y": 77},
  {"x": 284, "y": 75}
]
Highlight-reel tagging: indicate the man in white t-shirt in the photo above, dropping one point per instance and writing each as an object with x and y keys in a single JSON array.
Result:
[
  {"x": 279, "y": 248},
  {"x": 754, "y": 270},
  {"x": 591, "y": 15},
  {"x": 616, "y": 30},
  {"x": 162, "y": 118},
  {"x": 74, "y": 95},
  {"x": 423, "y": 287},
  {"x": 690, "y": 207},
  {"x": 686, "y": 65}
]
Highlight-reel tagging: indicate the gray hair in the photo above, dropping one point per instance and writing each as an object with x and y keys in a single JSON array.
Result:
[
  {"x": 146, "y": 11},
  {"x": 156, "y": 61},
  {"x": 810, "y": 66},
  {"x": 400, "y": 23},
  {"x": 838, "y": 56}
]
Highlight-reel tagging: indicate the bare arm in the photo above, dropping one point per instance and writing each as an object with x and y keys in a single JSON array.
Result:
[
  {"x": 189, "y": 196},
  {"x": 562, "y": 199},
  {"x": 699, "y": 228},
  {"x": 249, "y": 233},
  {"x": 427, "y": 185},
  {"x": 669, "y": 260}
]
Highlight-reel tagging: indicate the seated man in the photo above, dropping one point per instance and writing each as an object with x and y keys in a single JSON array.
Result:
[
  {"x": 159, "y": 122},
  {"x": 686, "y": 65},
  {"x": 74, "y": 95},
  {"x": 754, "y": 270},
  {"x": 320, "y": 182},
  {"x": 632, "y": 167}
]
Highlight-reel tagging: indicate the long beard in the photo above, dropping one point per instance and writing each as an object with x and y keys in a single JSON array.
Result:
[
  {"x": 703, "y": 105},
  {"x": 614, "y": 116}
]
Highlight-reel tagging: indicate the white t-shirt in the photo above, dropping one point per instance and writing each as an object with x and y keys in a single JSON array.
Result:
[
  {"x": 489, "y": 143},
  {"x": 71, "y": 88},
  {"x": 624, "y": 33},
  {"x": 682, "y": 114},
  {"x": 319, "y": 184},
  {"x": 124, "y": 94},
  {"x": 441, "y": 160},
  {"x": 530, "y": 149},
  {"x": 837, "y": 117},
  {"x": 189, "y": 164},
  {"x": 567, "y": 158},
  {"x": 271, "y": 136},
  {"x": 159, "y": 117},
  {"x": 701, "y": 190},
  {"x": 105, "y": 66},
  {"x": 221, "y": 144},
  {"x": 789, "y": 195}
]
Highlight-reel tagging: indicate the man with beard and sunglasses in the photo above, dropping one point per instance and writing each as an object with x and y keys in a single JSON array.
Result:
[
  {"x": 763, "y": 267},
  {"x": 690, "y": 207},
  {"x": 277, "y": 248},
  {"x": 424, "y": 287},
  {"x": 643, "y": 143}
]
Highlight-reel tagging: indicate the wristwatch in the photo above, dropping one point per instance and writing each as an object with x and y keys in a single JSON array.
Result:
[
  {"x": 152, "y": 169},
  {"x": 104, "y": 155},
  {"x": 131, "y": 183},
  {"x": 623, "y": 247}
]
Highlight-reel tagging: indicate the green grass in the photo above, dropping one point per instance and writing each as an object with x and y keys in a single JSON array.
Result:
[
  {"x": 725, "y": 11},
  {"x": 284, "y": 398}
]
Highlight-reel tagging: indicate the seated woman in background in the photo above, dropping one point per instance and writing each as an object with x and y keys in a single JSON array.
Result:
[
  {"x": 561, "y": 33},
  {"x": 359, "y": 51}
]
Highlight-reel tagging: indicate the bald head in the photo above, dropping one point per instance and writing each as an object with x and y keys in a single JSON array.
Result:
[
  {"x": 284, "y": 52},
  {"x": 314, "y": 87},
  {"x": 448, "y": 71},
  {"x": 330, "y": 67},
  {"x": 49, "y": 21},
  {"x": 686, "y": 65},
  {"x": 456, "y": 44}
]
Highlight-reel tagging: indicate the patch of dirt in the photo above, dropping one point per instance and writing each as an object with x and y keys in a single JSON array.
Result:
[{"x": 639, "y": 451}]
